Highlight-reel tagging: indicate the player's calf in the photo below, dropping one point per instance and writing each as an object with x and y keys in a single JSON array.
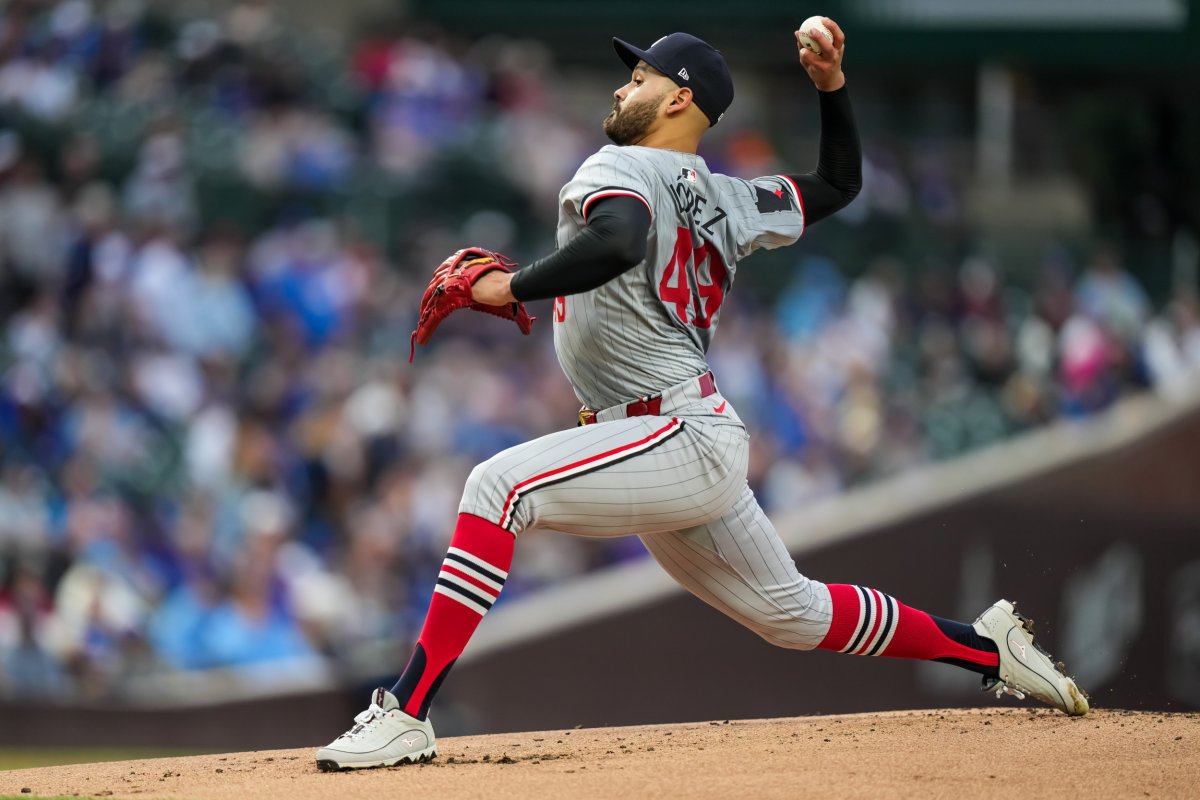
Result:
[
  {"x": 998, "y": 646},
  {"x": 395, "y": 729},
  {"x": 470, "y": 581},
  {"x": 868, "y": 622}
]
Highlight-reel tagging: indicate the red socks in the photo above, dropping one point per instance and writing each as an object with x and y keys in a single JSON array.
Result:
[
  {"x": 472, "y": 576},
  {"x": 867, "y": 622}
]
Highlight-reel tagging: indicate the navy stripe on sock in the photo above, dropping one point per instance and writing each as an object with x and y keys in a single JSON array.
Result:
[
  {"x": 476, "y": 595},
  {"x": 473, "y": 565},
  {"x": 407, "y": 684},
  {"x": 423, "y": 712},
  {"x": 966, "y": 635},
  {"x": 866, "y": 623},
  {"x": 887, "y": 624}
]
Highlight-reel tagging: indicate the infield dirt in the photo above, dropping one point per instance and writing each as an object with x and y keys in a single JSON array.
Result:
[{"x": 951, "y": 753}]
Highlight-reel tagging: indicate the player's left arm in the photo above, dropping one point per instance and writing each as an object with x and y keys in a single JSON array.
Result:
[
  {"x": 838, "y": 176},
  {"x": 613, "y": 241}
]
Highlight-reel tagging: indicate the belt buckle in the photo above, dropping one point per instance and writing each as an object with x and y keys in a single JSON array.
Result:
[{"x": 586, "y": 417}]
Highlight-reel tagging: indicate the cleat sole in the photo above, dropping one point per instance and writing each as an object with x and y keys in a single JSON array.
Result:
[{"x": 329, "y": 765}]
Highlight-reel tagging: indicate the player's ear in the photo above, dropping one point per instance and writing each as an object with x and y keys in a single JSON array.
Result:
[{"x": 681, "y": 98}]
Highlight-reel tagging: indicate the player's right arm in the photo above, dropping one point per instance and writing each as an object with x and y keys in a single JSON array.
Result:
[
  {"x": 776, "y": 209},
  {"x": 838, "y": 176}
]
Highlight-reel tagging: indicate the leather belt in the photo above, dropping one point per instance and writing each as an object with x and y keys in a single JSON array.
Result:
[{"x": 652, "y": 406}]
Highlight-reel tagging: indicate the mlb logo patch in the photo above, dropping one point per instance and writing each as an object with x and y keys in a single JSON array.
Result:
[{"x": 690, "y": 174}]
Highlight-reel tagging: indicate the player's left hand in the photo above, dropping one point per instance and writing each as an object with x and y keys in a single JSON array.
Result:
[
  {"x": 825, "y": 69},
  {"x": 493, "y": 289}
]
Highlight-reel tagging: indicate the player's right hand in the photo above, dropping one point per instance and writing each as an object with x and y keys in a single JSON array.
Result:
[{"x": 825, "y": 69}]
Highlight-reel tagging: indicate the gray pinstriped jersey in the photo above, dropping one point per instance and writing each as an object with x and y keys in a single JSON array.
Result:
[{"x": 650, "y": 327}]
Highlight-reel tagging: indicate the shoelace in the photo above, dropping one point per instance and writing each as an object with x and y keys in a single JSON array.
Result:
[{"x": 364, "y": 721}]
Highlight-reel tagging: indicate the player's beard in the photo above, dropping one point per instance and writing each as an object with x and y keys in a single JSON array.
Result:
[{"x": 629, "y": 125}]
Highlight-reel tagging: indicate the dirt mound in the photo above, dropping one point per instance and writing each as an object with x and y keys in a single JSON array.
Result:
[{"x": 952, "y": 753}]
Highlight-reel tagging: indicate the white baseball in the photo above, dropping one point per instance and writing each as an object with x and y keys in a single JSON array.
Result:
[{"x": 808, "y": 40}]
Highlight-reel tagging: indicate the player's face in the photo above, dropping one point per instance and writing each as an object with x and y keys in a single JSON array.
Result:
[{"x": 636, "y": 106}]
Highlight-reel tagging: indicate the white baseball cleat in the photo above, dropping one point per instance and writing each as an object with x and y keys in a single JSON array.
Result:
[
  {"x": 1024, "y": 667},
  {"x": 382, "y": 736}
]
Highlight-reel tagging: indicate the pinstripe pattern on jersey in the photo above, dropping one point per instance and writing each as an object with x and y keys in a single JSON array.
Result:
[
  {"x": 878, "y": 617},
  {"x": 622, "y": 340},
  {"x": 584, "y": 466},
  {"x": 469, "y": 580},
  {"x": 612, "y": 191}
]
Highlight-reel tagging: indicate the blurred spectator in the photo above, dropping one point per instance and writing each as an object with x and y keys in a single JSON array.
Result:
[
  {"x": 32, "y": 233},
  {"x": 39, "y": 84},
  {"x": 159, "y": 192},
  {"x": 297, "y": 148},
  {"x": 27, "y": 667},
  {"x": 1111, "y": 297}
]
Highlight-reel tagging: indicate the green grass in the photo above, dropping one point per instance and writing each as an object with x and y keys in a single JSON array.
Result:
[{"x": 25, "y": 757}]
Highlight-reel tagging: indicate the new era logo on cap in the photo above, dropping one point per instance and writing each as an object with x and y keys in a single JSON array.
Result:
[{"x": 705, "y": 73}]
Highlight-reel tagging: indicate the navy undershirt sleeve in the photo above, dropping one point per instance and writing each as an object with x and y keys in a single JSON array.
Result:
[
  {"x": 613, "y": 242},
  {"x": 838, "y": 177}
]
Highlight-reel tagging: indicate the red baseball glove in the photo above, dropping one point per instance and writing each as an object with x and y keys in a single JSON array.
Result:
[{"x": 450, "y": 290}]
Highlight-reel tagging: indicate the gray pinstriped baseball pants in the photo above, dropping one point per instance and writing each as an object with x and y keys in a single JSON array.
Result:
[{"x": 678, "y": 481}]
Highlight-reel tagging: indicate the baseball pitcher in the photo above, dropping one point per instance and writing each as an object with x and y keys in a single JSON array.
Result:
[{"x": 649, "y": 244}]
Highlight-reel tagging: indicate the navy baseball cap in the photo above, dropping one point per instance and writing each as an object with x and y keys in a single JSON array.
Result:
[{"x": 690, "y": 62}]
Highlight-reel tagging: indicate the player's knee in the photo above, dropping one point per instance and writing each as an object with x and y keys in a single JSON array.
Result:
[
  {"x": 799, "y": 618},
  {"x": 475, "y": 480},
  {"x": 481, "y": 495}
]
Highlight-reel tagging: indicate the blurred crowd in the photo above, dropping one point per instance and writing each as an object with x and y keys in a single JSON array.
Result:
[{"x": 213, "y": 452}]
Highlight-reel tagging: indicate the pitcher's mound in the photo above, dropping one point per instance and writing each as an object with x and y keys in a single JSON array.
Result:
[{"x": 953, "y": 754}]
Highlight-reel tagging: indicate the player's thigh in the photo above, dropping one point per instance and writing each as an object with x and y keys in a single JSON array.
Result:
[
  {"x": 627, "y": 476},
  {"x": 738, "y": 565}
]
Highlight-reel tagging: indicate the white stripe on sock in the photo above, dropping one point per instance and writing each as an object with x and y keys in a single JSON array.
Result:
[
  {"x": 895, "y": 624},
  {"x": 474, "y": 573},
  {"x": 884, "y": 625},
  {"x": 862, "y": 610},
  {"x": 454, "y": 594},
  {"x": 478, "y": 562},
  {"x": 872, "y": 614},
  {"x": 470, "y": 587}
]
